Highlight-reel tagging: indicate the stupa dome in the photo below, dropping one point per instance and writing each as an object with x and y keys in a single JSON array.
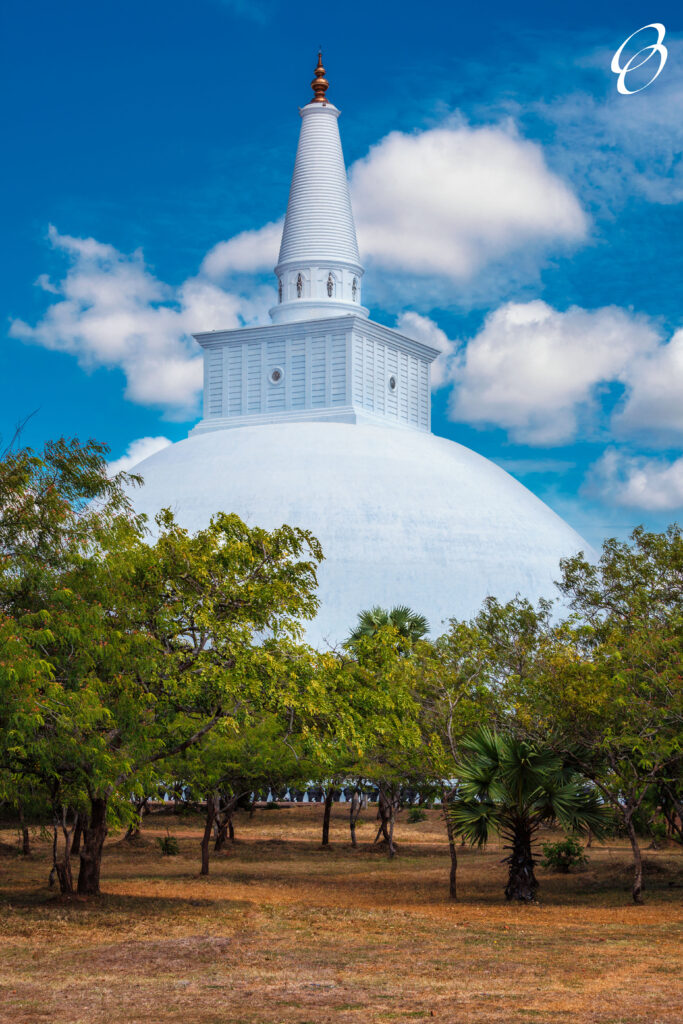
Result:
[
  {"x": 322, "y": 420},
  {"x": 404, "y": 517}
]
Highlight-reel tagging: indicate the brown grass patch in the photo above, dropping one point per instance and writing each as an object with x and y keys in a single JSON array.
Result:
[{"x": 283, "y": 932}]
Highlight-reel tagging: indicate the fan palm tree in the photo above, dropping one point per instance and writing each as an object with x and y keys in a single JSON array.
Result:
[
  {"x": 408, "y": 624},
  {"x": 513, "y": 787}
]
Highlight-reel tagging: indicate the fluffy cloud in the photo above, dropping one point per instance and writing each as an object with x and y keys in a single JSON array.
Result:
[
  {"x": 136, "y": 452},
  {"x": 654, "y": 406},
  {"x": 452, "y": 199},
  {"x": 538, "y": 373},
  {"x": 421, "y": 328},
  {"x": 637, "y": 481},
  {"x": 111, "y": 311},
  {"x": 246, "y": 253}
]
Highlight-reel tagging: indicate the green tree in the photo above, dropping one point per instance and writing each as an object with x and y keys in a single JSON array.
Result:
[
  {"x": 610, "y": 690},
  {"x": 384, "y": 684},
  {"x": 455, "y": 694},
  {"x": 146, "y": 646},
  {"x": 513, "y": 787},
  {"x": 513, "y": 638},
  {"x": 231, "y": 765}
]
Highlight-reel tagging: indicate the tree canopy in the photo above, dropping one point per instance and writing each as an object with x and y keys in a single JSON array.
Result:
[{"x": 143, "y": 645}]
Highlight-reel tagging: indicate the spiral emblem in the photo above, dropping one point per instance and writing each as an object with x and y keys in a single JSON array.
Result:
[{"x": 658, "y": 49}]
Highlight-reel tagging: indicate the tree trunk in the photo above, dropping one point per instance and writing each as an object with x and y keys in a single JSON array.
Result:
[
  {"x": 141, "y": 809},
  {"x": 383, "y": 815},
  {"x": 329, "y": 799},
  {"x": 25, "y": 837},
  {"x": 637, "y": 862},
  {"x": 221, "y": 831},
  {"x": 225, "y": 829},
  {"x": 522, "y": 883},
  {"x": 452, "y": 882},
  {"x": 76, "y": 841},
  {"x": 392, "y": 818},
  {"x": 354, "y": 814},
  {"x": 206, "y": 838},
  {"x": 93, "y": 837},
  {"x": 62, "y": 868}
]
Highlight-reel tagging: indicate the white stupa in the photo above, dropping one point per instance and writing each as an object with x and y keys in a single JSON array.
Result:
[{"x": 322, "y": 420}]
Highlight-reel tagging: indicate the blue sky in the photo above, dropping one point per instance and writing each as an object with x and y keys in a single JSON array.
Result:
[{"x": 512, "y": 207}]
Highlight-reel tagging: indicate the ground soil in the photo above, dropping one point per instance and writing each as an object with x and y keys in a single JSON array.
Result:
[{"x": 284, "y": 932}]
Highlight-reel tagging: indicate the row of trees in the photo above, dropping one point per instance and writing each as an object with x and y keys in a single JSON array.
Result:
[{"x": 129, "y": 663}]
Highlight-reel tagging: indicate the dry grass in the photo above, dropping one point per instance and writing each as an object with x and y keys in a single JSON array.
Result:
[{"x": 286, "y": 933}]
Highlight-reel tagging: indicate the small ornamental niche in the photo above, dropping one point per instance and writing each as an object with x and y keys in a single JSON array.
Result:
[
  {"x": 330, "y": 285},
  {"x": 299, "y": 286},
  {"x": 279, "y": 290},
  {"x": 392, "y": 383},
  {"x": 354, "y": 289},
  {"x": 276, "y": 375}
]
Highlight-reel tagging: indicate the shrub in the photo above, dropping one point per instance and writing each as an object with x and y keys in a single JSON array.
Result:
[
  {"x": 168, "y": 846},
  {"x": 564, "y": 855},
  {"x": 416, "y": 814}
]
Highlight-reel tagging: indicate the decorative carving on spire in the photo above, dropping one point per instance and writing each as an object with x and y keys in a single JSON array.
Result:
[
  {"x": 330, "y": 285},
  {"x": 299, "y": 286},
  {"x": 320, "y": 85}
]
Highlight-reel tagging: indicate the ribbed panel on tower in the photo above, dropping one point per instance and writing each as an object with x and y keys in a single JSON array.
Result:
[{"x": 319, "y": 223}]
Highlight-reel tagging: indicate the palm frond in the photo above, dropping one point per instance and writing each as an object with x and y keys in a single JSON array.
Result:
[{"x": 474, "y": 820}]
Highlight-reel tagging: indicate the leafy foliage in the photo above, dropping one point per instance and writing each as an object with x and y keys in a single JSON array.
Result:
[
  {"x": 416, "y": 815},
  {"x": 564, "y": 855},
  {"x": 168, "y": 845},
  {"x": 608, "y": 688},
  {"x": 120, "y": 651}
]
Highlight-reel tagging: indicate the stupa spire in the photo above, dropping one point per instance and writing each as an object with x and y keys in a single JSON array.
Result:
[
  {"x": 320, "y": 85},
  {"x": 319, "y": 270}
]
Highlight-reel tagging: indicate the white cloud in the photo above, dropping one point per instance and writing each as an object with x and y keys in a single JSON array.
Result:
[
  {"x": 537, "y": 372},
  {"x": 615, "y": 147},
  {"x": 654, "y": 406},
  {"x": 112, "y": 312},
  {"x": 425, "y": 330},
  {"x": 136, "y": 452},
  {"x": 246, "y": 253},
  {"x": 637, "y": 481},
  {"x": 450, "y": 200},
  {"x": 43, "y": 281}
]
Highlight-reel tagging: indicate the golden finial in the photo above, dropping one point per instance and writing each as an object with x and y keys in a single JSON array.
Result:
[{"x": 320, "y": 85}]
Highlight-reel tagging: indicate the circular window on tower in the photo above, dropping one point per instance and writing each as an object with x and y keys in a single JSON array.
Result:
[
  {"x": 392, "y": 383},
  {"x": 277, "y": 375}
]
